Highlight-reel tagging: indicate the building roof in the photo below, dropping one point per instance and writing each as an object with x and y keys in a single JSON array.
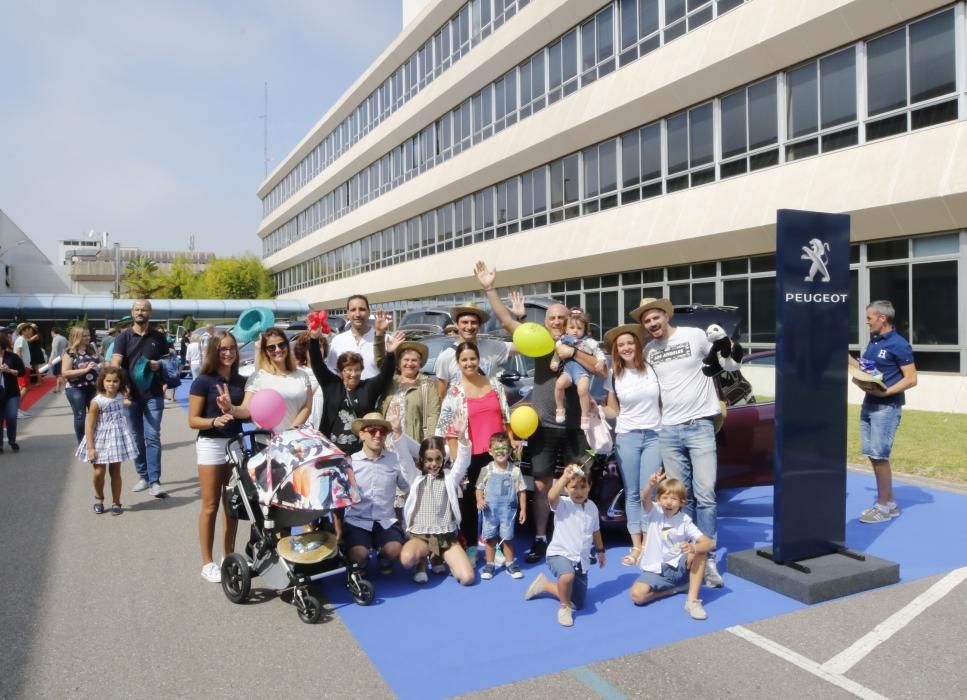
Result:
[{"x": 38, "y": 307}]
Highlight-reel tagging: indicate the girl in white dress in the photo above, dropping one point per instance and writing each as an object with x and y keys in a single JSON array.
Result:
[{"x": 107, "y": 438}]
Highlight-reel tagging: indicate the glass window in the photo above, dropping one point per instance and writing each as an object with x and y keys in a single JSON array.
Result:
[
  {"x": 886, "y": 72},
  {"x": 677, "y": 142},
  {"x": 935, "y": 324},
  {"x": 732, "y": 109},
  {"x": 932, "y": 57},
  {"x": 947, "y": 244},
  {"x": 629, "y": 23},
  {"x": 569, "y": 55},
  {"x": 591, "y": 171},
  {"x": 762, "y": 309},
  {"x": 700, "y": 135},
  {"x": 608, "y": 164},
  {"x": 630, "y": 161},
  {"x": 838, "y": 88},
  {"x": 802, "y": 100},
  {"x": 763, "y": 114},
  {"x": 605, "y": 29},
  {"x": 571, "y": 174},
  {"x": 893, "y": 283},
  {"x": 650, "y": 151}
]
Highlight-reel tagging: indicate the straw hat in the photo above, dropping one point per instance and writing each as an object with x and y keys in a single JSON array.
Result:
[
  {"x": 369, "y": 420},
  {"x": 458, "y": 311},
  {"x": 419, "y": 348},
  {"x": 634, "y": 329},
  {"x": 652, "y": 303},
  {"x": 327, "y": 547},
  {"x": 865, "y": 377}
]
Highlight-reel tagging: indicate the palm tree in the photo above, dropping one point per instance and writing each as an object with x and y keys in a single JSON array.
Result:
[{"x": 141, "y": 277}]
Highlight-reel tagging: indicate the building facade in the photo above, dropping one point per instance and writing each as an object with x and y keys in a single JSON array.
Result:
[
  {"x": 24, "y": 269},
  {"x": 601, "y": 151}
]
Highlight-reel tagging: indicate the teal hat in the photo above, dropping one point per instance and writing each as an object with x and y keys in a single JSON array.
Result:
[
  {"x": 252, "y": 322},
  {"x": 125, "y": 319},
  {"x": 141, "y": 374}
]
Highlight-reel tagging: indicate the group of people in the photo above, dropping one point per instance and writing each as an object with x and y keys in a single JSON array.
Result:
[{"x": 429, "y": 454}]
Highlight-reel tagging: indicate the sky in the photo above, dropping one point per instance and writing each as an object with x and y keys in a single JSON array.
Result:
[{"x": 142, "y": 118}]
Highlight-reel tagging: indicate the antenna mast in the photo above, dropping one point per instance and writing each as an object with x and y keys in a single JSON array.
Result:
[{"x": 265, "y": 129}]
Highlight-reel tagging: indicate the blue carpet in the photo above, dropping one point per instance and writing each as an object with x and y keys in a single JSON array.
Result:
[{"x": 440, "y": 639}]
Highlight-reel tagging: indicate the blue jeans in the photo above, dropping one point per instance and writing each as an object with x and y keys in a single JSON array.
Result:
[
  {"x": 688, "y": 453},
  {"x": 878, "y": 424},
  {"x": 639, "y": 456},
  {"x": 144, "y": 417},
  {"x": 79, "y": 397},
  {"x": 9, "y": 416}
]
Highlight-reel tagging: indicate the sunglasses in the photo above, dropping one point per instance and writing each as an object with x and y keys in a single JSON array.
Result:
[
  {"x": 375, "y": 430},
  {"x": 277, "y": 347}
]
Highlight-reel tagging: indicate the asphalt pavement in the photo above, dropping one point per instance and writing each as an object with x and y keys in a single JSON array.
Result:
[{"x": 100, "y": 605}]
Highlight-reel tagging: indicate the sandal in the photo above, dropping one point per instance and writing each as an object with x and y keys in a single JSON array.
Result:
[
  {"x": 632, "y": 557},
  {"x": 99, "y": 506},
  {"x": 116, "y": 509}
]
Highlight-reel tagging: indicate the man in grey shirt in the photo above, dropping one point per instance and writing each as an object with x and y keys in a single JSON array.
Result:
[{"x": 58, "y": 344}]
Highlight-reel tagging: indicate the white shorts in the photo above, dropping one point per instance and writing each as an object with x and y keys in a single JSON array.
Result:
[{"x": 211, "y": 450}]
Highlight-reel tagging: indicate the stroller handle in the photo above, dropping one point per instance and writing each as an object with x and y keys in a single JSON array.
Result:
[{"x": 239, "y": 441}]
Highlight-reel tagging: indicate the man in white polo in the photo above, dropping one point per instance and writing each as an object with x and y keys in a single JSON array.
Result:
[
  {"x": 358, "y": 338},
  {"x": 689, "y": 405}
]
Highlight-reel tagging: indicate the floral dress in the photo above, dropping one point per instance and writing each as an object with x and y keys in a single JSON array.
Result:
[{"x": 113, "y": 441}]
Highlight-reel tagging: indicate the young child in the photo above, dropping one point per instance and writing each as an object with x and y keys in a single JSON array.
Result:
[
  {"x": 107, "y": 439},
  {"x": 501, "y": 496},
  {"x": 572, "y": 372},
  {"x": 432, "y": 509},
  {"x": 675, "y": 549},
  {"x": 576, "y": 524}
]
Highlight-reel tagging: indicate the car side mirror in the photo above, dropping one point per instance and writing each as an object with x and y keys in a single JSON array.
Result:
[{"x": 508, "y": 376}]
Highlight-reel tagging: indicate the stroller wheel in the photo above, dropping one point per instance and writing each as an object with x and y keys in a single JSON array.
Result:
[
  {"x": 362, "y": 591},
  {"x": 310, "y": 609},
  {"x": 236, "y": 578}
]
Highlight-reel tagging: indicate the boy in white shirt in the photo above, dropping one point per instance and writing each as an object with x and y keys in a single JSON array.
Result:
[
  {"x": 675, "y": 549},
  {"x": 576, "y": 524}
]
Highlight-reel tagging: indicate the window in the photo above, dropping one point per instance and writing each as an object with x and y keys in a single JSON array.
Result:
[
  {"x": 689, "y": 146},
  {"x": 927, "y": 49},
  {"x": 749, "y": 124},
  {"x": 597, "y": 46},
  {"x": 821, "y": 100}
]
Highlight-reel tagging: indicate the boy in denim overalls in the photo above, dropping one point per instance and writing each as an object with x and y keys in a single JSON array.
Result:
[{"x": 500, "y": 494}]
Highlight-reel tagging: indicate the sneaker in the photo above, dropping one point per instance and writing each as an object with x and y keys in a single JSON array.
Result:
[
  {"x": 98, "y": 508},
  {"x": 713, "y": 579},
  {"x": 141, "y": 485},
  {"x": 488, "y": 572},
  {"x": 211, "y": 572},
  {"x": 559, "y": 416},
  {"x": 536, "y": 587},
  {"x": 695, "y": 610},
  {"x": 537, "y": 552},
  {"x": 157, "y": 491},
  {"x": 420, "y": 577},
  {"x": 23, "y": 414},
  {"x": 514, "y": 570},
  {"x": 879, "y": 514},
  {"x": 564, "y": 616}
]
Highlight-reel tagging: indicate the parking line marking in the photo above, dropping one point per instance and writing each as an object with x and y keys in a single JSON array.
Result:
[
  {"x": 592, "y": 680},
  {"x": 856, "y": 652},
  {"x": 808, "y": 665}
]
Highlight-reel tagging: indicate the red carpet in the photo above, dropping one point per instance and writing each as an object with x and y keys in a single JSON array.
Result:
[{"x": 38, "y": 391}]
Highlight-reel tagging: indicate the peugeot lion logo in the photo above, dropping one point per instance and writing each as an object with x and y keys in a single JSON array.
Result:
[{"x": 816, "y": 252}]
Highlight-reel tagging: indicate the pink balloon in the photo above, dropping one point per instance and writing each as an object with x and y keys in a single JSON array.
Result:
[{"x": 267, "y": 408}]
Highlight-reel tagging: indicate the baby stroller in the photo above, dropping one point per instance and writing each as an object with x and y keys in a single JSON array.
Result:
[{"x": 282, "y": 481}]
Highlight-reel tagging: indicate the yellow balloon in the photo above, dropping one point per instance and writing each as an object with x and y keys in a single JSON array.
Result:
[
  {"x": 524, "y": 421},
  {"x": 533, "y": 340}
]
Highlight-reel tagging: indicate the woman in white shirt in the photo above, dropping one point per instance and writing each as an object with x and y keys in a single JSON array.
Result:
[
  {"x": 634, "y": 403},
  {"x": 193, "y": 356},
  {"x": 275, "y": 368}
]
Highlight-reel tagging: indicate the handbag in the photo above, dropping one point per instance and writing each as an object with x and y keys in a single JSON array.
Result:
[{"x": 599, "y": 433}]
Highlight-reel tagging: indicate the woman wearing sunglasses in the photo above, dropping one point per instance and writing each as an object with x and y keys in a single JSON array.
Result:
[
  {"x": 275, "y": 368},
  {"x": 347, "y": 396},
  {"x": 213, "y": 411}
]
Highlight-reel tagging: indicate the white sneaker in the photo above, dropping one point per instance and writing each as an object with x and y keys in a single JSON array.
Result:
[
  {"x": 420, "y": 577},
  {"x": 141, "y": 485},
  {"x": 695, "y": 609},
  {"x": 23, "y": 414},
  {"x": 536, "y": 587},
  {"x": 211, "y": 572},
  {"x": 713, "y": 579}
]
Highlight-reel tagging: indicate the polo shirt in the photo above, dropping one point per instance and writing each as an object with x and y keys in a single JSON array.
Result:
[{"x": 889, "y": 352}]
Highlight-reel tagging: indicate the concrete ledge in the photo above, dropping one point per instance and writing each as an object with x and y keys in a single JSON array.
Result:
[{"x": 831, "y": 576}]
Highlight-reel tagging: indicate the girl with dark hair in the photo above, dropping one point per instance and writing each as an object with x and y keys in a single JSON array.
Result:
[
  {"x": 483, "y": 402},
  {"x": 107, "y": 437},
  {"x": 214, "y": 411},
  {"x": 11, "y": 369}
]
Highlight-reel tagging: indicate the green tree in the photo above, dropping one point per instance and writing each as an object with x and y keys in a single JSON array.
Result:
[
  {"x": 141, "y": 277},
  {"x": 237, "y": 278},
  {"x": 179, "y": 280}
]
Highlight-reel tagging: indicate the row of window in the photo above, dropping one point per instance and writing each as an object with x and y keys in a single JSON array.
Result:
[
  {"x": 475, "y": 21},
  {"x": 587, "y": 52},
  {"x": 680, "y": 151}
]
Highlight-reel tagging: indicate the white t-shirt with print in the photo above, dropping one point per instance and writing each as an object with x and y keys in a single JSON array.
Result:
[
  {"x": 664, "y": 537},
  {"x": 292, "y": 387},
  {"x": 574, "y": 528},
  {"x": 638, "y": 397},
  {"x": 686, "y": 393}
]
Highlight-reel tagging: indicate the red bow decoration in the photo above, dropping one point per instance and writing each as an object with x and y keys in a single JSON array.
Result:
[{"x": 318, "y": 320}]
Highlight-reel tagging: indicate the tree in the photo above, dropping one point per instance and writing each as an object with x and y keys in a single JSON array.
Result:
[
  {"x": 179, "y": 280},
  {"x": 141, "y": 277},
  {"x": 237, "y": 278}
]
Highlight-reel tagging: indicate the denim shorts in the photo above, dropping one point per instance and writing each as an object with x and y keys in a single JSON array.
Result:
[
  {"x": 878, "y": 424},
  {"x": 669, "y": 577},
  {"x": 562, "y": 565},
  {"x": 498, "y": 521}
]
